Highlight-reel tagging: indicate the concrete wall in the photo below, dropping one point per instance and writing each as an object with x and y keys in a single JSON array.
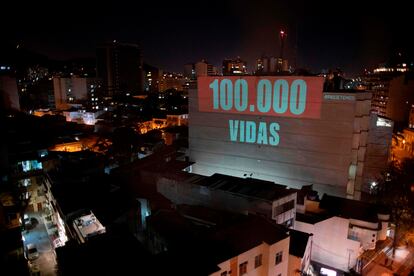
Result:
[
  {"x": 400, "y": 99},
  {"x": 268, "y": 266},
  {"x": 281, "y": 268},
  {"x": 311, "y": 151},
  {"x": 294, "y": 265},
  {"x": 249, "y": 257},
  {"x": 78, "y": 90},
  {"x": 377, "y": 154},
  {"x": 331, "y": 245}
]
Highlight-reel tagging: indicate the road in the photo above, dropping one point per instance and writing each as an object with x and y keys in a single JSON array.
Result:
[
  {"x": 46, "y": 262},
  {"x": 385, "y": 264}
]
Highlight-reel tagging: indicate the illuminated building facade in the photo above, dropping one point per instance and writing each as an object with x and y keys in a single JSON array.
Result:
[
  {"x": 326, "y": 148},
  {"x": 75, "y": 90},
  {"x": 87, "y": 117},
  {"x": 392, "y": 96}
]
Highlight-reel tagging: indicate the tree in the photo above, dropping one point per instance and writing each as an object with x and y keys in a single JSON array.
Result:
[{"x": 395, "y": 190}]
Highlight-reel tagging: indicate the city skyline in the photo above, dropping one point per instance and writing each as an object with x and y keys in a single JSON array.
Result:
[
  {"x": 216, "y": 138},
  {"x": 319, "y": 36}
]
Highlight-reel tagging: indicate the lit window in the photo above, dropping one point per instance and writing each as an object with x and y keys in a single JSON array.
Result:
[
  {"x": 279, "y": 256},
  {"x": 382, "y": 122}
]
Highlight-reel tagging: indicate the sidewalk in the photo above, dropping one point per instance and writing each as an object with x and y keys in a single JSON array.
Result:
[
  {"x": 407, "y": 264},
  {"x": 371, "y": 258},
  {"x": 385, "y": 264}
]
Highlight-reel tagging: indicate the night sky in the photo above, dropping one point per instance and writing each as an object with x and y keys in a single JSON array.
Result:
[{"x": 346, "y": 34}]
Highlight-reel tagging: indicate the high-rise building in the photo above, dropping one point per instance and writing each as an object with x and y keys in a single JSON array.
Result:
[
  {"x": 9, "y": 97},
  {"x": 391, "y": 84},
  {"x": 76, "y": 90},
  {"x": 119, "y": 65},
  {"x": 189, "y": 71},
  {"x": 200, "y": 68},
  {"x": 271, "y": 66},
  {"x": 152, "y": 77},
  {"x": 257, "y": 135},
  {"x": 399, "y": 100},
  {"x": 234, "y": 67},
  {"x": 392, "y": 95}
]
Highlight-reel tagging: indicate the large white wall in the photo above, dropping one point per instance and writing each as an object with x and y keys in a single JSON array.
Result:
[
  {"x": 331, "y": 245},
  {"x": 311, "y": 151}
]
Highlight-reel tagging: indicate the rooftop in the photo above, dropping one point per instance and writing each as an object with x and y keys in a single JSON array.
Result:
[
  {"x": 342, "y": 207},
  {"x": 312, "y": 218},
  {"x": 218, "y": 235},
  {"x": 88, "y": 226},
  {"x": 348, "y": 208},
  {"x": 238, "y": 237},
  {"x": 250, "y": 187}
]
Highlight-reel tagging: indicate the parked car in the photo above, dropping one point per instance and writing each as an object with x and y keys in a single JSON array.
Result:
[{"x": 30, "y": 252}]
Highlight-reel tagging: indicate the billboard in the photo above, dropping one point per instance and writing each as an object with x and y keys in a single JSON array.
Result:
[{"x": 281, "y": 96}]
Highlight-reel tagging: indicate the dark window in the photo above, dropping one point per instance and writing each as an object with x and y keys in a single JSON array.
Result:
[
  {"x": 279, "y": 256},
  {"x": 258, "y": 261},
  {"x": 284, "y": 207},
  {"x": 243, "y": 268}
]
